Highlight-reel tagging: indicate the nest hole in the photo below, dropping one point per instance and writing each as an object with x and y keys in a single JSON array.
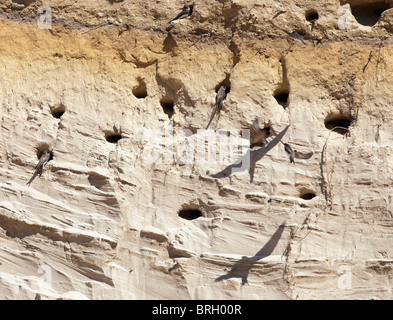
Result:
[
  {"x": 190, "y": 214},
  {"x": 58, "y": 111},
  {"x": 338, "y": 123},
  {"x": 368, "y": 14},
  {"x": 167, "y": 105},
  {"x": 307, "y": 195},
  {"x": 140, "y": 91},
  {"x": 312, "y": 15},
  {"x": 282, "y": 95},
  {"x": 113, "y": 137}
]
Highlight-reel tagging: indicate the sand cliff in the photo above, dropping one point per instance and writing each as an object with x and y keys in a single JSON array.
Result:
[{"x": 107, "y": 88}]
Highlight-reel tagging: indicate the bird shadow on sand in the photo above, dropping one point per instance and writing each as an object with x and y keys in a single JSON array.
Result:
[
  {"x": 169, "y": 43},
  {"x": 242, "y": 268},
  {"x": 249, "y": 160}
]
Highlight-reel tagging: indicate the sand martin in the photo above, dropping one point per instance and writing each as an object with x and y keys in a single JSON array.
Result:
[
  {"x": 296, "y": 154},
  {"x": 257, "y": 135},
  {"x": 186, "y": 12},
  {"x": 40, "y": 165},
  {"x": 220, "y": 97}
]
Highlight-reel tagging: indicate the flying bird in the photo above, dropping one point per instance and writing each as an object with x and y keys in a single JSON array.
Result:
[
  {"x": 186, "y": 12},
  {"x": 40, "y": 165},
  {"x": 296, "y": 154},
  {"x": 220, "y": 97},
  {"x": 257, "y": 135}
]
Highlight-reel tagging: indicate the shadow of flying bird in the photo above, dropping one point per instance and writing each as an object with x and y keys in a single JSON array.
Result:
[
  {"x": 250, "y": 157},
  {"x": 242, "y": 268}
]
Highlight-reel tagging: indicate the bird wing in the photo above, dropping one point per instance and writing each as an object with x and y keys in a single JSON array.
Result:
[
  {"x": 43, "y": 160},
  {"x": 186, "y": 11},
  {"x": 177, "y": 17},
  {"x": 254, "y": 131},
  {"x": 39, "y": 164},
  {"x": 301, "y": 155},
  {"x": 289, "y": 150},
  {"x": 32, "y": 178}
]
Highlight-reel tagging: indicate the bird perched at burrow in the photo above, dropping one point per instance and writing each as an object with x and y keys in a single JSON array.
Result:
[
  {"x": 186, "y": 12},
  {"x": 258, "y": 136},
  {"x": 220, "y": 97},
  {"x": 296, "y": 154},
  {"x": 40, "y": 165}
]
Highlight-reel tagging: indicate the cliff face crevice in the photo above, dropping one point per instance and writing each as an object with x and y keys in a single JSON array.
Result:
[{"x": 137, "y": 202}]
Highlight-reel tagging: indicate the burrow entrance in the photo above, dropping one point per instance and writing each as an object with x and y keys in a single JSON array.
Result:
[
  {"x": 339, "y": 123},
  {"x": 189, "y": 212},
  {"x": 367, "y": 13}
]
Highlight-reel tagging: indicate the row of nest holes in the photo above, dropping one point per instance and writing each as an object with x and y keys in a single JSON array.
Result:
[
  {"x": 140, "y": 92},
  {"x": 338, "y": 123},
  {"x": 111, "y": 137},
  {"x": 366, "y": 14},
  {"x": 167, "y": 102},
  {"x": 194, "y": 213}
]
